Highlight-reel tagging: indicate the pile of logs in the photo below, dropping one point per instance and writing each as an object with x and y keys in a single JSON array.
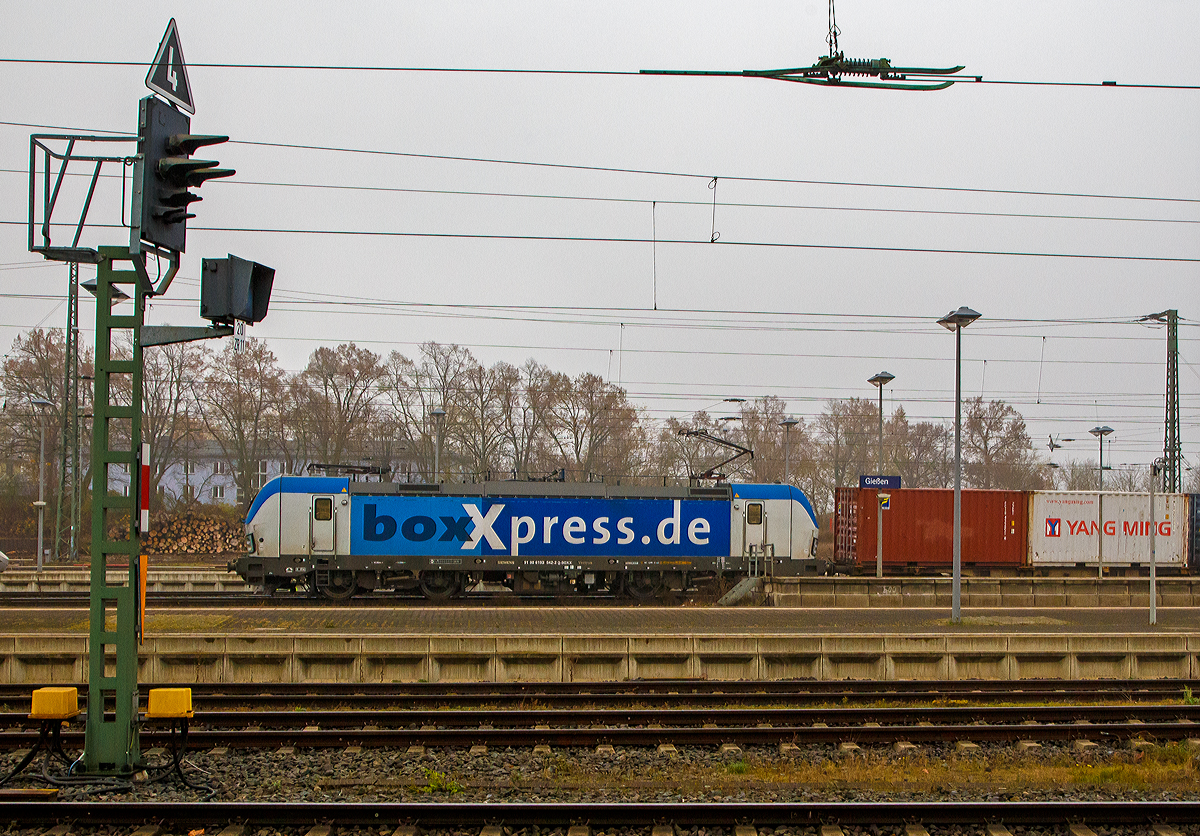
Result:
[{"x": 190, "y": 533}]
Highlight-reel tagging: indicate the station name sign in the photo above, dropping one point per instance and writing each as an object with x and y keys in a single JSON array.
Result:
[{"x": 891, "y": 483}]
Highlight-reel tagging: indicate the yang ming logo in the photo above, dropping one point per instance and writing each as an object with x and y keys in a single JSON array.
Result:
[{"x": 1053, "y": 527}]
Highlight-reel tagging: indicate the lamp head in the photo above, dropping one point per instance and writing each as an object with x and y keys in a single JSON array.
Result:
[
  {"x": 91, "y": 285},
  {"x": 41, "y": 403},
  {"x": 1100, "y": 432},
  {"x": 788, "y": 423},
  {"x": 882, "y": 379},
  {"x": 961, "y": 318}
]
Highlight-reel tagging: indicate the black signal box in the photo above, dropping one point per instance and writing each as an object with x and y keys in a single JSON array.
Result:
[{"x": 234, "y": 289}]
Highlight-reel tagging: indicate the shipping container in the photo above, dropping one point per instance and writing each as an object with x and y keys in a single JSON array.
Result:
[
  {"x": 918, "y": 529},
  {"x": 1194, "y": 531},
  {"x": 845, "y": 526},
  {"x": 1069, "y": 528}
]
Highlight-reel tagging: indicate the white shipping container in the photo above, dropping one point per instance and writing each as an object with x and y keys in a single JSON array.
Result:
[{"x": 1065, "y": 528}]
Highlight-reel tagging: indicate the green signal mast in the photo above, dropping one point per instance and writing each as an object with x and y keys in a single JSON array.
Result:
[{"x": 231, "y": 289}]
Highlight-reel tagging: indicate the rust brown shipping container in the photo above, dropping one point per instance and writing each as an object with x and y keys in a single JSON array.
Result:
[{"x": 918, "y": 529}]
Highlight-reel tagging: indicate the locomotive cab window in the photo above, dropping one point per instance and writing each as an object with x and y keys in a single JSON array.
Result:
[
  {"x": 323, "y": 508},
  {"x": 754, "y": 513}
]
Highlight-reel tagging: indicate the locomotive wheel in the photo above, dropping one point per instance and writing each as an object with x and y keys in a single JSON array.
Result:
[
  {"x": 440, "y": 586},
  {"x": 643, "y": 586},
  {"x": 340, "y": 587}
]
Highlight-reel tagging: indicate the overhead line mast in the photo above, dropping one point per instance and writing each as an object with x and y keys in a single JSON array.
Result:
[{"x": 1172, "y": 471}]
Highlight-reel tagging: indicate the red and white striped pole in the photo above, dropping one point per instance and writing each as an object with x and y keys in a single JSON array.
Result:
[{"x": 144, "y": 489}]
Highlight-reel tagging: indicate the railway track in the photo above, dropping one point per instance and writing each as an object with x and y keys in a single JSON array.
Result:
[
  {"x": 244, "y": 737},
  {"x": 973, "y": 717},
  {"x": 655, "y": 727},
  {"x": 661, "y": 693},
  {"x": 79, "y": 599},
  {"x": 472, "y": 817}
]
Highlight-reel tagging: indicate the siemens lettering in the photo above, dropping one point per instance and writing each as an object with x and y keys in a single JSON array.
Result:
[{"x": 386, "y": 525}]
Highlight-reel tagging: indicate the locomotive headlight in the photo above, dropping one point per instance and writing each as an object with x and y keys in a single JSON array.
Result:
[{"x": 251, "y": 545}]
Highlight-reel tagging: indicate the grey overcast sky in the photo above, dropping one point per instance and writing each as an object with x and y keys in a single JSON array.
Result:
[{"x": 848, "y": 220}]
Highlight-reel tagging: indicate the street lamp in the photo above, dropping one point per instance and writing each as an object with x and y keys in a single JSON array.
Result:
[
  {"x": 787, "y": 424},
  {"x": 439, "y": 417},
  {"x": 880, "y": 380},
  {"x": 1156, "y": 468},
  {"x": 1100, "y": 432},
  {"x": 956, "y": 321},
  {"x": 42, "y": 404}
]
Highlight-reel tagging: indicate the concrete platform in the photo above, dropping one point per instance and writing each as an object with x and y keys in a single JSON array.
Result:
[
  {"x": 834, "y": 591},
  {"x": 479, "y": 620},
  {"x": 981, "y": 592},
  {"x": 407, "y": 644}
]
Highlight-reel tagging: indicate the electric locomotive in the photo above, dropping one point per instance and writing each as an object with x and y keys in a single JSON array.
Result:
[{"x": 334, "y": 537}]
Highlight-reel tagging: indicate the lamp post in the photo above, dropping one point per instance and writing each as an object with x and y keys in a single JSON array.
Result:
[
  {"x": 787, "y": 424},
  {"x": 1156, "y": 468},
  {"x": 956, "y": 321},
  {"x": 880, "y": 380},
  {"x": 439, "y": 417},
  {"x": 1100, "y": 433},
  {"x": 42, "y": 404}
]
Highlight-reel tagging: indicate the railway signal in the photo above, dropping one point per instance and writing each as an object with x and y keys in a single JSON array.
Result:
[
  {"x": 162, "y": 190},
  {"x": 233, "y": 289}
]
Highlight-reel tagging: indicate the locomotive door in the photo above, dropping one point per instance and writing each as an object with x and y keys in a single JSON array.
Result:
[
  {"x": 755, "y": 535},
  {"x": 322, "y": 528}
]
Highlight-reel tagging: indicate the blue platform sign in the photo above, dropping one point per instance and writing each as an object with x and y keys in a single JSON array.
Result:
[{"x": 889, "y": 483}]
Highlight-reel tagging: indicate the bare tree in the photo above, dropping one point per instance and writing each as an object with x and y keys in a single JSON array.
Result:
[
  {"x": 846, "y": 430},
  {"x": 413, "y": 390},
  {"x": 1130, "y": 479},
  {"x": 593, "y": 429},
  {"x": 171, "y": 421},
  {"x": 33, "y": 370},
  {"x": 477, "y": 428},
  {"x": 337, "y": 392},
  {"x": 1076, "y": 475},
  {"x": 237, "y": 397},
  {"x": 287, "y": 427},
  {"x": 920, "y": 453},
  {"x": 526, "y": 397},
  {"x": 761, "y": 431},
  {"x": 997, "y": 451}
]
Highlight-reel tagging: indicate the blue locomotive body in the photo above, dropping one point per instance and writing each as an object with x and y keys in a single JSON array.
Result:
[{"x": 337, "y": 537}]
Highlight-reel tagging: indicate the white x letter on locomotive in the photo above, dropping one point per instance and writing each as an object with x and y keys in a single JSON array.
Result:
[{"x": 483, "y": 527}]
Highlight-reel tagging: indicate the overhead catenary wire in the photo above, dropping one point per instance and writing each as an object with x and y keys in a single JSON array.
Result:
[
  {"x": 384, "y": 68},
  {"x": 653, "y": 172},
  {"x": 654, "y": 202},
  {"x": 617, "y": 239}
]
